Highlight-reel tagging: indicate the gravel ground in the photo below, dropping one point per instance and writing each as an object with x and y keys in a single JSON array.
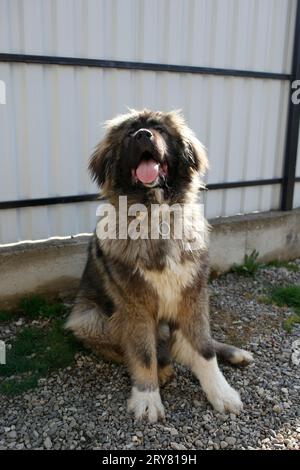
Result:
[{"x": 84, "y": 406}]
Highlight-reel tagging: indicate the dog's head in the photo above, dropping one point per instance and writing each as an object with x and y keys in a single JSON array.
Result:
[{"x": 143, "y": 150}]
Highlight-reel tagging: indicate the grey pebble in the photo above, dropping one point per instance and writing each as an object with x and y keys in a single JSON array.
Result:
[
  {"x": 223, "y": 444},
  {"x": 48, "y": 443},
  {"x": 230, "y": 440},
  {"x": 177, "y": 446}
]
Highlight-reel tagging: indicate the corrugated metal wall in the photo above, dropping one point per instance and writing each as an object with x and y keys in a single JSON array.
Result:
[
  {"x": 241, "y": 34},
  {"x": 53, "y": 113}
]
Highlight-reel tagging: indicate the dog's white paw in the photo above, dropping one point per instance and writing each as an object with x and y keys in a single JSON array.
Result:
[
  {"x": 224, "y": 398},
  {"x": 146, "y": 403}
]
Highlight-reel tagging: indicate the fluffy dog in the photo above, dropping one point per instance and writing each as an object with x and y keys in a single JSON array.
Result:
[{"x": 144, "y": 300}]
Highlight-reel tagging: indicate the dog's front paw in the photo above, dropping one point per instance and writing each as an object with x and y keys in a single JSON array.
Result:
[
  {"x": 224, "y": 398},
  {"x": 146, "y": 403}
]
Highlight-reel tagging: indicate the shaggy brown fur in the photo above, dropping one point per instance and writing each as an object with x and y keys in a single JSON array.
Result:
[{"x": 144, "y": 301}]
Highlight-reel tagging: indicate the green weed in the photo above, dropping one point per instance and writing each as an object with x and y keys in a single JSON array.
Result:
[{"x": 250, "y": 265}]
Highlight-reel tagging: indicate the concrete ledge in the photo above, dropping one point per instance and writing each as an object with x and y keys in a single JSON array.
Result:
[
  {"x": 54, "y": 266},
  {"x": 275, "y": 235}
]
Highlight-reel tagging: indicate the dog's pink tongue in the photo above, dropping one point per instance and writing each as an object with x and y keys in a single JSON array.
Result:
[{"x": 147, "y": 171}]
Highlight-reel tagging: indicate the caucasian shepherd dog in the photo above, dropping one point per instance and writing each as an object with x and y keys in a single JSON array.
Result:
[{"x": 142, "y": 300}]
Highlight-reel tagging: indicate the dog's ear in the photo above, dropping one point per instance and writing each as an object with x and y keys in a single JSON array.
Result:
[
  {"x": 196, "y": 154},
  {"x": 101, "y": 163},
  {"x": 194, "y": 151}
]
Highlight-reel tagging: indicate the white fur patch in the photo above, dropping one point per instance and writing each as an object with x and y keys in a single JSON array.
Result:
[
  {"x": 146, "y": 403},
  {"x": 87, "y": 321},
  {"x": 169, "y": 284},
  {"x": 219, "y": 393}
]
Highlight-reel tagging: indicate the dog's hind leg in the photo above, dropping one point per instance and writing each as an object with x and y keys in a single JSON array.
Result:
[
  {"x": 89, "y": 324},
  {"x": 232, "y": 354}
]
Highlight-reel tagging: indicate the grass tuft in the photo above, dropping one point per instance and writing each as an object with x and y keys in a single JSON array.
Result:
[
  {"x": 36, "y": 350},
  {"x": 286, "y": 296},
  {"x": 33, "y": 308},
  {"x": 36, "y": 307},
  {"x": 250, "y": 265},
  {"x": 290, "y": 322},
  {"x": 15, "y": 386},
  {"x": 284, "y": 264},
  {"x": 6, "y": 315}
]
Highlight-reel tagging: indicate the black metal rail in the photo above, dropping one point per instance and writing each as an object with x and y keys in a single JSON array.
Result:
[
  {"x": 93, "y": 197},
  {"x": 146, "y": 66}
]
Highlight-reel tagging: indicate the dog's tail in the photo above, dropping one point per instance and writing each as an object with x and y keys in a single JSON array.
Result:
[{"x": 232, "y": 354}]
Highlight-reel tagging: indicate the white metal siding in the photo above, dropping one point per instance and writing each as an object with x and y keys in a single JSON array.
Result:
[
  {"x": 242, "y": 34},
  {"x": 53, "y": 113},
  {"x": 297, "y": 195}
]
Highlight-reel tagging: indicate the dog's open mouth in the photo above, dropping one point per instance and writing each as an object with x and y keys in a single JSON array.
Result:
[{"x": 149, "y": 171}]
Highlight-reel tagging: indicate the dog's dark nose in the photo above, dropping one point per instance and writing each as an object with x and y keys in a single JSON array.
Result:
[{"x": 143, "y": 135}]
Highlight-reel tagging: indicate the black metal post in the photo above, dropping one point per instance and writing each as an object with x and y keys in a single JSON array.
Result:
[{"x": 292, "y": 135}]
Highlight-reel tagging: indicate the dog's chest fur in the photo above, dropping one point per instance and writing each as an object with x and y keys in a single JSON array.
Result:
[{"x": 169, "y": 285}]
